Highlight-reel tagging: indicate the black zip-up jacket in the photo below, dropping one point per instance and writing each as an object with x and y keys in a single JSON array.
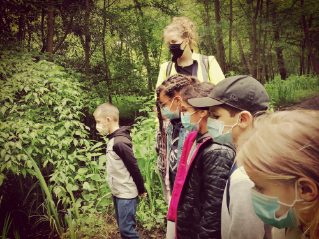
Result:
[
  {"x": 199, "y": 207},
  {"x": 123, "y": 171}
]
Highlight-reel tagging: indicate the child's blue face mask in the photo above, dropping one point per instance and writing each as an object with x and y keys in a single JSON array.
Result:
[
  {"x": 265, "y": 207},
  {"x": 187, "y": 123},
  {"x": 166, "y": 111},
  {"x": 102, "y": 129},
  {"x": 216, "y": 127}
]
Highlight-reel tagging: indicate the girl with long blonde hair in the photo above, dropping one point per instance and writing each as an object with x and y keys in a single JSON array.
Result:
[
  {"x": 180, "y": 36},
  {"x": 281, "y": 156}
]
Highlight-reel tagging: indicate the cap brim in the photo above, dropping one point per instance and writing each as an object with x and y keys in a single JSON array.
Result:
[{"x": 203, "y": 102}]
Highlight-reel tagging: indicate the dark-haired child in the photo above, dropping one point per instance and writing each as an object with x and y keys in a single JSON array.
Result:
[
  {"x": 234, "y": 104},
  {"x": 202, "y": 174},
  {"x": 171, "y": 134}
]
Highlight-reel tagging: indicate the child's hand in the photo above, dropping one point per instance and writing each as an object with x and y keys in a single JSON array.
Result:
[
  {"x": 169, "y": 197},
  {"x": 144, "y": 195}
]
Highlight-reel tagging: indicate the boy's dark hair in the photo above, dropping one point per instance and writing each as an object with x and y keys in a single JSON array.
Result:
[
  {"x": 231, "y": 110},
  {"x": 200, "y": 89},
  {"x": 170, "y": 86}
]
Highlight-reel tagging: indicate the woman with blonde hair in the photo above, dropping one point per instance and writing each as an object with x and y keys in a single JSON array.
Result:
[
  {"x": 181, "y": 37},
  {"x": 281, "y": 156}
]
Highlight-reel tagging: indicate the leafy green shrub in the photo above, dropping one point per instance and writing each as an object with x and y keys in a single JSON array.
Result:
[
  {"x": 293, "y": 89},
  {"x": 42, "y": 136},
  {"x": 43, "y": 140},
  {"x": 152, "y": 210}
]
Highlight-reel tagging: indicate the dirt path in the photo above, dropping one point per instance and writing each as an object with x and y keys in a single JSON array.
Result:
[{"x": 310, "y": 104}]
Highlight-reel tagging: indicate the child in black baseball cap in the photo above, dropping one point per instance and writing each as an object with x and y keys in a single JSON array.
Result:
[
  {"x": 234, "y": 102},
  {"x": 235, "y": 99}
]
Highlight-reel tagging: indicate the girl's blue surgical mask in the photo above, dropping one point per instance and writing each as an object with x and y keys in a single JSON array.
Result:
[
  {"x": 265, "y": 207},
  {"x": 166, "y": 111},
  {"x": 187, "y": 123}
]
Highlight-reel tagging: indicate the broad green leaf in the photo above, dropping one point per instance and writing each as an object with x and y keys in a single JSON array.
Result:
[
  {"x": 87, "y": 186},
  {"x": 82, "y": 171}
]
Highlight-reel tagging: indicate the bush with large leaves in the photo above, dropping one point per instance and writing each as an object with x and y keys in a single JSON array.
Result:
[{"x": 42, "y": 137}]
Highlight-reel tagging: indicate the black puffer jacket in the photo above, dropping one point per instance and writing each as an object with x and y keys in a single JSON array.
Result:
[{"x": 199, "y": 207}]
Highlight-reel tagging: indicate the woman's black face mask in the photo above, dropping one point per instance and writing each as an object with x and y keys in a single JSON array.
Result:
[{"x": 176, "y": 51}]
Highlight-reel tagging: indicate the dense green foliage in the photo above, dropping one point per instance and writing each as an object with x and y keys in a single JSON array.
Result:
[
  {"x": 292, "y": 90},
  {"x": 45, "y": 145},
  {"x": 119, "y": 45},
  {"x": 42, "y": 137},
  {"x": 60, "y": 59},
  {"x": 152, "y": 213}
]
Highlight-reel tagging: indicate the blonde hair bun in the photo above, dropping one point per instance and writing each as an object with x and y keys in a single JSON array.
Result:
[{"x": 184, "y": 27}]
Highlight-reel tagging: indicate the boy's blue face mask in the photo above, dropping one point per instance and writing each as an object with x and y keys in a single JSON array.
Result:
[
  {"x": 216, "y": 127},
  {"x": 101, "y": 129},
  {"x": 226, "y": 138},
  {"x": 265, "y": 207}
]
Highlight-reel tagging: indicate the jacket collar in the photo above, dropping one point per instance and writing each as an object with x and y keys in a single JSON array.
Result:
[{"x": 122, "y": 131}]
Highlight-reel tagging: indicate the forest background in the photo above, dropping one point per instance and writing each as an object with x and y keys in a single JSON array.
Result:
[{"x": 60, "y": 59}]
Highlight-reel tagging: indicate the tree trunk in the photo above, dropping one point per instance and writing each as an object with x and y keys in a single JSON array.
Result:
[
  {"x": 30, "y": 28},
  {"x": 269, "y": 55},
  {"x": 265, "y": 66},
  {"x": 50, "y": 26},
  {"x": 87, "y": 37},
  {"x": 143, "y": 41},
  {"x": 230, "y": 33},
  {"x": 68, "y": 29},
  {"x": 219, "y": 37},
  {"x": 260, "y": 48},
  {"x": 315, "y": 62},
  {"x": 210, "y": 48},
  {"x": 253, "y": 38},
  {"x": 42, "y": 31},
  {"x": 303, "y": 41},
  {"x": 243, "y": 58},
  {"x": 265, "y": 59},
  {"x": 21, "y": 31},
  {"x": 278, "y": 48},
  {"x": 106, "y": 65},
  {"x": 271, "y": 64},
  {"x": 307, "y": 42}
]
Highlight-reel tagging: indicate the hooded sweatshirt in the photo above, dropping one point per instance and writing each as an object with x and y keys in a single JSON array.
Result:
[{"x": 123, "y": 175}]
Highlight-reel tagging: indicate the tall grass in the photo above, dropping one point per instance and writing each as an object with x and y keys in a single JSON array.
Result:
[
  {"x": 293, "y": 89},
  {"x": 6, "y": 227},
  {"x": 152, "y": 210},
  {"x": 50, "y": 206}
]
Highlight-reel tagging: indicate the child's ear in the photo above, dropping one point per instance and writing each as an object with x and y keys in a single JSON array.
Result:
[
  {"x": 204, "y": 113},
  {"x": 178, "y": 98},
  {"x": 108, "y": 119},
  {"x": 185, "y": 42},
  {"x": 245, "y": 119},
  {"x": 308, "y": 189}
]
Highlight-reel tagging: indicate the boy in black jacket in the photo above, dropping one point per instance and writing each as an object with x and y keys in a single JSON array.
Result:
[
  {"x": 123, "y": 175},
  {"x": 234, "y": 104},
  {"x": 202, "y": 173}
]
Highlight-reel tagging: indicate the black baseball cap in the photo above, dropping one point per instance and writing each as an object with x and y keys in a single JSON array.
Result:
[{"x": 241, "y": 92}]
